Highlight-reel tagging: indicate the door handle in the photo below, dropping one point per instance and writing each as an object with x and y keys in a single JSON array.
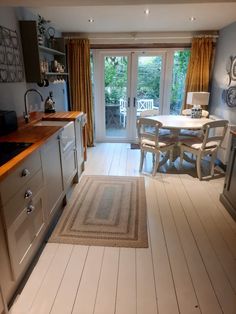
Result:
[
  {"x": 134, "y": 103},
  {"x": 128, "y": 104}
]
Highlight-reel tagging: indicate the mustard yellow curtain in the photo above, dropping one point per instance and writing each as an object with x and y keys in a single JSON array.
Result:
[
  {"x": 78, "y": 52},
  {"x": 200, "y": 65}
]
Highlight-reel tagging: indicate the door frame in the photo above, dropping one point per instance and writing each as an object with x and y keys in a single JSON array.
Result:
[{"x": 99, "y": 99}]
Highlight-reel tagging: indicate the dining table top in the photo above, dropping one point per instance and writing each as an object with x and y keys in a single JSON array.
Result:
[{"x": 180, "y": 122}]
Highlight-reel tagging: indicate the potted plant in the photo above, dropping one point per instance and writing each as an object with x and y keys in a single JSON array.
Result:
[{"x": 42, "y": 27}]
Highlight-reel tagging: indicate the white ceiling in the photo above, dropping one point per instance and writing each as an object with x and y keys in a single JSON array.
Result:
[{"x": 131, "y": 18}]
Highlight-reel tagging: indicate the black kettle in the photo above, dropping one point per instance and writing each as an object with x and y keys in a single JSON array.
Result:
[{"x": 49, "y": 105}]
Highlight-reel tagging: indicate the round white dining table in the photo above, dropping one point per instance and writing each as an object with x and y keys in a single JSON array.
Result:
[{"x": 180, "y": 122}]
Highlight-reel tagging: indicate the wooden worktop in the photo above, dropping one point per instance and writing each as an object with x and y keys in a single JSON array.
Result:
[
  {"x": 37, "y": 135},
  {"x": 62, "y": 116}
]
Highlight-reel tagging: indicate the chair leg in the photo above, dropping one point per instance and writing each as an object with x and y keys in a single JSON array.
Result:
[
  {"x": 141, "y": 160},
  {"x": 181, "y": 157},
  {"x": 156, "y": 163},
  {"x": 199, "y": 171},
  {"x": 171, "y": 156},
  {"x": 153, "y": 158},
  {"x": 213, "y": 158}
]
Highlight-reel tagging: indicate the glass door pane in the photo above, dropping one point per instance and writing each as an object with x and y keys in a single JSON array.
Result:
[
  {"x": 148, "y": 90},
  {"x": 179, "y": 70},
  {"x": 116, "y": 95}
]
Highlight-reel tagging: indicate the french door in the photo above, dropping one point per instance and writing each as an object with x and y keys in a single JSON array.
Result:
[{"x": 127, "y": 83}]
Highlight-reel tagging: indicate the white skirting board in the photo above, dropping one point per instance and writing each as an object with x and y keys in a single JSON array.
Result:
[{"x": 224, "y": 150}]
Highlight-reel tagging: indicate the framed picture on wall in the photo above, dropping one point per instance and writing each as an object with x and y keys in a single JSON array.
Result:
[
  {"x": 233, "y": 69},
  {"x": 231, "y": 96}
]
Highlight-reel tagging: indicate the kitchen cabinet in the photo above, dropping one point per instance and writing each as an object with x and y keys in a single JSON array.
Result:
[
  {"x": 22, "y": 198},
  {"x": 228, "y": 197},
  {"x": 41, "y": 62},
  {"x": 68, "y": 154},
  {"x": 6, "y": 281},
  {"x": 52, "y": 171},
  {"x": 78, "y": 124}
]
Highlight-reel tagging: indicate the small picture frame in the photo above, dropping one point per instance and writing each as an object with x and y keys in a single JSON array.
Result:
[{"x": 231, "y": 96}]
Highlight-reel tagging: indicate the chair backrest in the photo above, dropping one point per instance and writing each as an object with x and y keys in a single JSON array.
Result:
[
  {"x": 144, "y": 104},
  {"x": 186, "y": 112},
  {"x": 148, "y": 129},
  {"x": 149, "y": 113},
  {"x": 205, "y": 113},
  {"x": 214, "y": 131}
]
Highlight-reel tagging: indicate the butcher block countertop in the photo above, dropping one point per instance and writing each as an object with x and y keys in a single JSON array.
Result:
[
  {"x": 37, "y": 135},
  {"x": 62, "y": 116}
]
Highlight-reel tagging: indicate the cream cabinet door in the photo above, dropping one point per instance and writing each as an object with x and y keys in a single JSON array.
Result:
[
  {"x": 25, "y": 233},
  {"x": 52, "y": 171},
  {"x": 79, "y": 145}
]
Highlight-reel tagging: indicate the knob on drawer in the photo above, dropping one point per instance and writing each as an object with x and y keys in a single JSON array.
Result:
[
  {"x": 25, "y": 172},
  {"x": 30, "y": 209},
  {"x": 28, "y": 194}
]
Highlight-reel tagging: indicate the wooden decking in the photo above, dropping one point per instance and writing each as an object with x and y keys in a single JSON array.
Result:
[{"x": 189, "y": 267}]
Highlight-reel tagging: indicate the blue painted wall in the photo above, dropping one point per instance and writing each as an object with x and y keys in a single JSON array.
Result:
[{"x": 226, "y": 47}]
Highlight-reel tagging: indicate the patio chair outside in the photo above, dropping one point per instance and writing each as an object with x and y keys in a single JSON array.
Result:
[{"x": 123, "y": 112}]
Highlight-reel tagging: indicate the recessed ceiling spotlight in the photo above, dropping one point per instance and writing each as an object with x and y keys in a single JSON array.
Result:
[
  {"x": 91, "y": 20},
  {"x": 192, "y": 18},
  {"x": 147, "y": 11}
]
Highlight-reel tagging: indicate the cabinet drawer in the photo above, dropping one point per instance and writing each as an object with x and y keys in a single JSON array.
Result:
[
  {"x": 24, "y": 234},
  {"x": 20, "y": 200},
  {"x": 16, "y": 179}
]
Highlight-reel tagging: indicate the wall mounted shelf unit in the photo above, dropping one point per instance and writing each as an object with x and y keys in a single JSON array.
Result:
[{"x": 38, "y": 59}]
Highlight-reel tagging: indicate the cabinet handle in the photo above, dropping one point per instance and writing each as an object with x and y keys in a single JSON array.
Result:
[
  {"x": 30, "y": 209},
  {"x": 25, "y": 172},
  {"x": 28, "y": 194}
]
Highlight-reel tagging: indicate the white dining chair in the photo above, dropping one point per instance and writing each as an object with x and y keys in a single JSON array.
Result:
[
  {"x": 148, "y": 135},
  {"x": 213, "y": 135},
  {"x": 154, "y": 112},
  {"x": 149, "y": 113}
]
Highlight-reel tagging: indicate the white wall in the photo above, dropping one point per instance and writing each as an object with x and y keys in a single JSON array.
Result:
[
  {"x": 226, "y": 47},
  {"x": 12, "y": 94}
]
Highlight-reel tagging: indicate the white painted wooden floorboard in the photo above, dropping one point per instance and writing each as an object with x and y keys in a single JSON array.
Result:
[
  {"x": 27, "y": 296},
  {"x": 114, "y": 168},
  {"x": 48, "y": 290},
  {"x": 206, "y": 296},
  {"x": 106, "y": 294},
  {"x": 205, "y": 209},
  {"x": 146, "y": 293},
  {"x": 223, "y": 290},
  {"x": 69, "y": 285},
  {"x": 165, "y": 289},
  {"x": 87, "y": 292},
  {"x": 185, "y": 291},
  {"x": 126, "y": 285},
  {"x": 215, "y": 195},
  {"x": 222, "y": 223},
  {"x": 183, "y": 267}
]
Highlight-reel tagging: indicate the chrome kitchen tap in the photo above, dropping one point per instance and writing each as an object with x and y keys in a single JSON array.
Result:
[{"x": 26, "y": 113}]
